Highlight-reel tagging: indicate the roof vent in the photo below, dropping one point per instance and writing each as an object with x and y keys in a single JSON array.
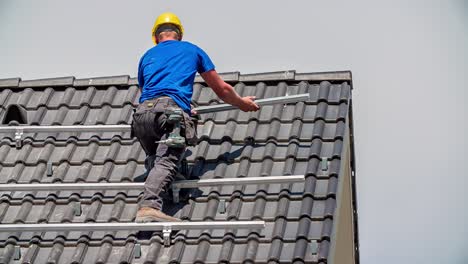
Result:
[{"x": 15, "y": 115}]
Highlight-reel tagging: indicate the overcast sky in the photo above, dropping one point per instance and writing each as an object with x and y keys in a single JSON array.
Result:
[{"x": 409, "y": 61}]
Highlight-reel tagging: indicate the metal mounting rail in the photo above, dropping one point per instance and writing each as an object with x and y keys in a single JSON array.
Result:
[
  {"x": 139, "y": 185},
  {"x": 260, "y": 102},
  {"x": 165, "y": 227},
  {"x": 239, "y": 181},
  {"x": 75, "y": 128},
  {"x": 19, "y": 130},
  {"x": 176, "y": 186},
  {"x": 155, "y": 226}
]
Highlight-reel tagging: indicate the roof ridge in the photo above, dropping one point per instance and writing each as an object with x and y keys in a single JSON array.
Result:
[{"x": 288, "y": 75}]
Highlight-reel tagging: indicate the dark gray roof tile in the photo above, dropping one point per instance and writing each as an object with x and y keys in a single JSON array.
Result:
[
  {"x": 342, "y": 112},
  {"x": 300, "y": 249},
  {"x": 89, "y": 95},
  {"x": 104, "y": 253},
  {"x": 197, "y": 88},
  {"x": 323, "y": 250},
  {"x": 4, "y": 98},
  {"x": 207, "y": 96},
  {"x": 345, "y": 95},
  {"x": 334, "y": 95},
  {"x": 26, "y": 96}
]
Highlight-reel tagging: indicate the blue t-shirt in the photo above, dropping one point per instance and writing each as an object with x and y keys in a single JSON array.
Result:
[{"x": 169, "y": 68}]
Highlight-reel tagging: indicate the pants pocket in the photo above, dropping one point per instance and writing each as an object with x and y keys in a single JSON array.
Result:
[
  {"x": 190, "y": 131},
  {"x": 144, "y": 124}
]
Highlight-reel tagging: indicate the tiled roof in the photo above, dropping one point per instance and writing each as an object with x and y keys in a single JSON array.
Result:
[{"x": 288, "y": 139}]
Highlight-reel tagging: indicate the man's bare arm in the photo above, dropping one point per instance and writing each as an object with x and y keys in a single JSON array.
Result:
[{"x": 227, "y": 93}]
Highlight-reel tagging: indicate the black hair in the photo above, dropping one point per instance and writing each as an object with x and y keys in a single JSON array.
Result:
[{"x": 168, "y": 28}]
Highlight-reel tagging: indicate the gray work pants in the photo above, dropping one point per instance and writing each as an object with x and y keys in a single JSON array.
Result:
[{"x": 150, "y": 125}]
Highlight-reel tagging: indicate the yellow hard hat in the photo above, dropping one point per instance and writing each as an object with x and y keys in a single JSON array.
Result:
[{"x": 166, "y": 18}]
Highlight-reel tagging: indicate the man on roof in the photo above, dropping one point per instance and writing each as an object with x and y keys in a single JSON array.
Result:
[{"x": 166, "y": 75}]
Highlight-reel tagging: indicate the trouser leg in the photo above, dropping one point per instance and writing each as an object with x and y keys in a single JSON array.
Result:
[{"x": 161, "y": 175}]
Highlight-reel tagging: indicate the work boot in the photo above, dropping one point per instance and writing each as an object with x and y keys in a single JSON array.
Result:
[{"x": 149, "y": 214}]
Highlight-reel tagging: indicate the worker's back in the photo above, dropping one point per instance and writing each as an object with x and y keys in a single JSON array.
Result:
[{"x": 169, "y": 69}]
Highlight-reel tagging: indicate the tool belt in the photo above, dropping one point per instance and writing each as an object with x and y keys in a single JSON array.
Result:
[{"x": 159, "y": 106}]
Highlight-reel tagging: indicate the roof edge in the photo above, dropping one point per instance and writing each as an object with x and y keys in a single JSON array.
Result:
[{"x": 348, "y": 146}]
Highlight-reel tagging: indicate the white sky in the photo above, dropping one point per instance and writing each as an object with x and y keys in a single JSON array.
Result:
[{"x": 409, "y": 61}]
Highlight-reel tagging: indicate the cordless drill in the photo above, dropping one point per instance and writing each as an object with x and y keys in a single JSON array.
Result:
[{"x": 175, "y": 140}]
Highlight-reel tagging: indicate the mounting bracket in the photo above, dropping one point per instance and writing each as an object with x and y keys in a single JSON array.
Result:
[
  {"x": 175, "y": 193},
  {"x": 49, "y": 170},
  {"x": 137, "y": 250},
  {"x": 222, "y": 207},
  {"x": 77, "y": 208},
  {"x": 17, "y": 253},
  {"x": 167, "y": 235},
  {"x": 324, "y": 167},
  {"x": 19, "y": 137}
]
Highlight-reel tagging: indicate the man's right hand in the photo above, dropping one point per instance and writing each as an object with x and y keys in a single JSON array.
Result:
[{"x": 248, "y": 104}]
